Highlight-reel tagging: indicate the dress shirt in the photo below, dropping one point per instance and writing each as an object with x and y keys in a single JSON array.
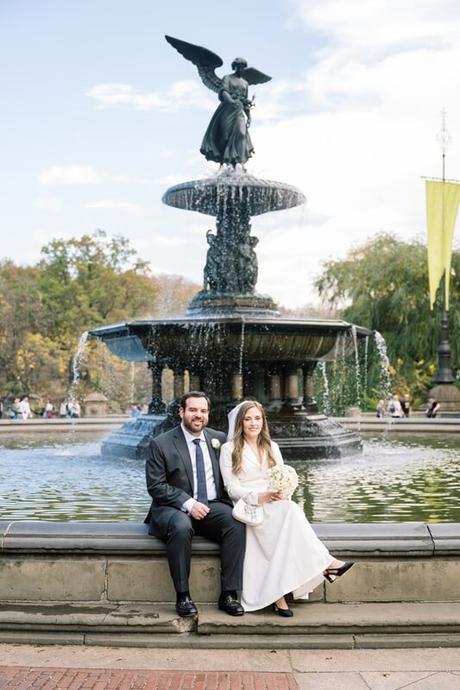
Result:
[{"x": 210, "y": 483}]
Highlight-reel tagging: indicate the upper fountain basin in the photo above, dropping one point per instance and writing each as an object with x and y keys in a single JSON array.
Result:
[
  {"x": 212, "y": 194},
  {"x": 256, "y": 339}
]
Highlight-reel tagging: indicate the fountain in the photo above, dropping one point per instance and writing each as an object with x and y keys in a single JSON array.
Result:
[{"x": 232, "y": 342}]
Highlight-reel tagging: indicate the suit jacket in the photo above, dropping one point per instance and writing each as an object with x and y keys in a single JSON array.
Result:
[{"x": 169, "y": 472}]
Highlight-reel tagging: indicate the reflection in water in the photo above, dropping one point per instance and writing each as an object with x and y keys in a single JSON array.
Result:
[
  {"x": 406, "y": 480},
  {"x": 68, "y": 479},
  {"x": 409, "y": 479}
]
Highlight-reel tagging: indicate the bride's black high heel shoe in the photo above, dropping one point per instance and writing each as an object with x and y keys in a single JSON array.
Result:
[
  {"x": 331, "y": 573},
  {"x": 285, "y": 613}
]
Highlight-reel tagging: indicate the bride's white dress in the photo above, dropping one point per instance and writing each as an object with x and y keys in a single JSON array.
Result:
[{"x": 283, "y": 554}]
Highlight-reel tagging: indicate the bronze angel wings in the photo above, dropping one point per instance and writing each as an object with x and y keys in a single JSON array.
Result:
[{"x": 206, "y": 62}]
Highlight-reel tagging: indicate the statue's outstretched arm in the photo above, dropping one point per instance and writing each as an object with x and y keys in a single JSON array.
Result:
[{"x": 205, "y": 60}]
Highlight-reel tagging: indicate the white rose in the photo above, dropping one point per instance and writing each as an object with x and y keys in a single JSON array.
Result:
[{"x": 215, "y": 443}]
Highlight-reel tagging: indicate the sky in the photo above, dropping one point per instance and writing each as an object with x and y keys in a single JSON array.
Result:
[{"x": 100, "y": 115}]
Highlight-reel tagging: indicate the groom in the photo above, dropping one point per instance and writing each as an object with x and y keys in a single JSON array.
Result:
[{"x": 188, "y": 497}]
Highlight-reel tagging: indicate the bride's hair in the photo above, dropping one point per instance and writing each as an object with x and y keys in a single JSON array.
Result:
[{"x": 263, "y": 440}]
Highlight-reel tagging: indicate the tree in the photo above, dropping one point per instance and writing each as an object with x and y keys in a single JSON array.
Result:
[
  {"x": 79, "y": 284},
  {"x": 90, "y": 281},
  {"x": 21, "y": 313},
  {"x": 174, "y": 295},
  {"x": 383, "y": 285}
]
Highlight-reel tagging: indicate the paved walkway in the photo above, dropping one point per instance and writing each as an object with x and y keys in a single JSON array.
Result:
[{"x": 25, "y": 667}]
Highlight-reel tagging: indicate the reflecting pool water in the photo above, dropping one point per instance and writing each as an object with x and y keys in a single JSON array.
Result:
[{"x": 396, "y": 479}]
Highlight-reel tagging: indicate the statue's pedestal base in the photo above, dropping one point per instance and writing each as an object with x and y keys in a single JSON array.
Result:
[
  {"x": 207, "y": 302},
  {"x": 448, "y": 396}
]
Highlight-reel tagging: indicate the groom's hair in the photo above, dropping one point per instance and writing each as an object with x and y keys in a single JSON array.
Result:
[{"x": 194, "y": 394}]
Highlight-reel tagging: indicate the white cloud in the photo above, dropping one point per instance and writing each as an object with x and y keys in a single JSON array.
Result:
[
  {"x": 87, "y": 175},
  {"x": 125, "y": 206},
  {"x": 382, "y": 26},
  {"x": 179, "y": 94},
  {"x": 70, "y": 175},
  {"x": 366, "y": 135}
]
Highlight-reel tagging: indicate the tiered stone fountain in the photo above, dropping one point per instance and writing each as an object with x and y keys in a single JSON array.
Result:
[{"x": 232, "y": 341}]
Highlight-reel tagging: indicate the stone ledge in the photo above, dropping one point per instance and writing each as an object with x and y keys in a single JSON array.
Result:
[
  {"x": 309, "y": 619},
  {"x": 103, "y": 617},
  {"x": 101, "y": 563},
  {"x": 376, "y": 539},
  {"x": 322, "y": 618},
  {"x": 369, "y": 540},
  {"x": 315, "y": 626},
  {"x": 186, "y": 641},
  {"x": 446, "y": 538}
]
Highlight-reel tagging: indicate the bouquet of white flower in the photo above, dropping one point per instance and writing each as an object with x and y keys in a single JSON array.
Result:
[{"x": 283, "y": 479}]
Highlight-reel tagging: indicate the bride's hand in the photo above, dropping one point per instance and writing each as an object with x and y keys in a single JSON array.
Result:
[{"x": 268, "y": 496}]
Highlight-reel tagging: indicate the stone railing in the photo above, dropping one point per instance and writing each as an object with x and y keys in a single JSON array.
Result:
[
  {"x": 103, "y": 583},
  {"x": 119, "y": 562}
]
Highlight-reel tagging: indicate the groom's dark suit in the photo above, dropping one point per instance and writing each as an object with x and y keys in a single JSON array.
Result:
[{"x": 170, "y": 483}]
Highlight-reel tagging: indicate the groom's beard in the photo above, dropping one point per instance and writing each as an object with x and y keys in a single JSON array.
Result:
[{"x": 195, "y": 424}]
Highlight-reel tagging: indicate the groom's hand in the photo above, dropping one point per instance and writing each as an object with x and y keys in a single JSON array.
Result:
[{"x": 199, "y": 510}]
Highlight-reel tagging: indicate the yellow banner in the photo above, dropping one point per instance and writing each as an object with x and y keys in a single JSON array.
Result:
[{"x": 442, "y": 200}]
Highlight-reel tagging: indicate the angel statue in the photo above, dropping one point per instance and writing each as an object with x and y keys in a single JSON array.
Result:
[{"x": 227, "y": 138}]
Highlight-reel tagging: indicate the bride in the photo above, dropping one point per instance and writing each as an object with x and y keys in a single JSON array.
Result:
[{"x": 283, "y": 554}]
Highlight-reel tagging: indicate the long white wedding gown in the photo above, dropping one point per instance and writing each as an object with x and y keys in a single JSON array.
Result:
[{"x": 283, "y": 554}]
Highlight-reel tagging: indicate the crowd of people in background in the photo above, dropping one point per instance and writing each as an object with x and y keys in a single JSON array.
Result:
[
  {"x": 19, "y": 409},
  {"x": 400, "y": 407}
]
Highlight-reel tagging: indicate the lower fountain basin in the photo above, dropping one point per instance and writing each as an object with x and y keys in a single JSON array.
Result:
[
  {"x": 300, "y": 436},
  {"x": 237, "y": 356}
]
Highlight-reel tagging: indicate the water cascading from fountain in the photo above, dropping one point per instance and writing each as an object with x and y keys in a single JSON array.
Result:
[
  {"x": 365, "y": 367},
  {"x": 78, "y": 359},
  {"x": 326, "y": 397},
  {"x": 384, "y": 363},
  {"x": 357, "y": 367}
]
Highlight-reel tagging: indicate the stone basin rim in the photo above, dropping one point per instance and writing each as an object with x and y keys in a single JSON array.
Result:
[
  {"x": 201, "y": 194},
  {"x": 215, "y": 320}
]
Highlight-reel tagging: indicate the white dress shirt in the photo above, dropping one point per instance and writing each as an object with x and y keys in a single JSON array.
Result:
[{"x": 210, "y": 483}]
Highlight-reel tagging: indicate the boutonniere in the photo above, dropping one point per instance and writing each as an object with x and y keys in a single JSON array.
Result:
[{"x": 215, "y": 443}]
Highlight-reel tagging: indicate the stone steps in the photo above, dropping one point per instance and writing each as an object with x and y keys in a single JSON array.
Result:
[{"x": 314, "y": 626}]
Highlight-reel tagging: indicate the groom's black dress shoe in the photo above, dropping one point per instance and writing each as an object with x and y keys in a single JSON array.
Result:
[
  {"x": 185, "y": 606},
  {"x": 229, "y": 604}
]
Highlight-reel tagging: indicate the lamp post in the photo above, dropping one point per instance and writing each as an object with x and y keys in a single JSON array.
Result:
[{"x": 443, "y": 198}]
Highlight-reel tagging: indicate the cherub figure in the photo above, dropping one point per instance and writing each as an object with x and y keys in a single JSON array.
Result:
[{"x": 227, "y": 139}]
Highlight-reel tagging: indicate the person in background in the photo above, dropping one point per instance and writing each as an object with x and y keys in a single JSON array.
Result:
[
  {"x": 24, "y": 408},
  {"x": 380, "y": 409},
  {"x": 405, "y": 405},
  {"x": 432, "y": 408},
  {"x": 73, "y": 409},
  {"x": 394, "y": 408},
  {"x": 135, "y": 411},
  {"x": 13, "y": 412},
  {"x": 48, "y": 411}
]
